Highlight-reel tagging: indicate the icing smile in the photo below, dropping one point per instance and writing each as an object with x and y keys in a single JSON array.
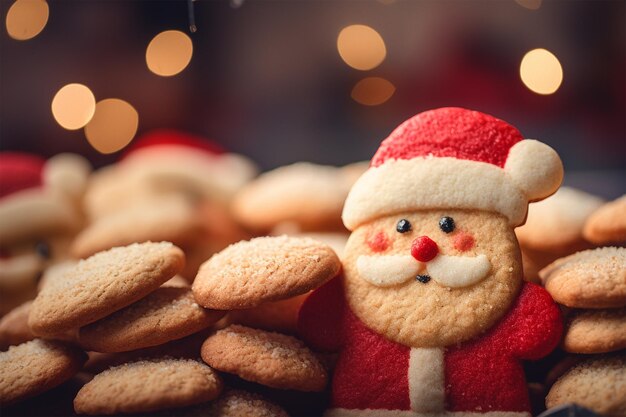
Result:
[{"x": 449, "y": 271}]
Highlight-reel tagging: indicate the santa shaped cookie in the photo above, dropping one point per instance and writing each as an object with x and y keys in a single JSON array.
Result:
[{"x": 431, "y": 315}]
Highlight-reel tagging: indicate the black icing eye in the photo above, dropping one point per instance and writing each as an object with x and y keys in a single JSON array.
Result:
[
  {"x": 403, "y": 226},
  {"x": 446, "y": 224},
  {"x": 43, "y": 250}
]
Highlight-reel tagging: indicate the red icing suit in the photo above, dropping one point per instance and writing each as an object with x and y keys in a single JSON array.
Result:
[{"x": 481, "y": 375}]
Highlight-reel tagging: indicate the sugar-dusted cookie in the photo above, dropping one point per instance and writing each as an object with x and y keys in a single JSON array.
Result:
[
  {"x": 595, "y": 331},
  {"x": 103, "y": 284},
  {"x": 168, "y": 313},
  {"x": 271, "y": 359},
  {"x": 589, "y": 279},
  {"x": 236, "y": 403},
  {"x": 14, "y": 326},
  {"x": 36, "y": 366},
  {"x": 598, "y": 383},
  {"x": 147, "y": 386},
  {"x": 232, "y": 403},
  {"x": 309, "y": 195},
  {"x": 278, "y": 316},
  {"x": 249, "y": 273},
  {"x": 607, "y": 224},
  {"x": 556, "y": 223},
  {"x": 158, "y": 219}
]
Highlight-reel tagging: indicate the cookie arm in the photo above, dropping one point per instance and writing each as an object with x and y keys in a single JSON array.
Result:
[
  {"x": 534, "y": 326},
  {"x": 320, "y": 321}
]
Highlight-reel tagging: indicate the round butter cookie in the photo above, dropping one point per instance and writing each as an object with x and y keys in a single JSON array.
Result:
[
  {"x": 169, "y": 313},
  {"x": 595, "y": 331},
  {"x": 233, "y": 403},
  {"x": 306, "y": 194},
  {"x": 598, "y": 384},
  {"x": 163, "y": 219},
  {"x": 35, "y": 367},
  {"x": 556, "y": 223},
  {"x": 148, "y": 386},
  {"x": 271, "y": 359},
  {"x": 250, "y": 273},
  {"x": 607, "y": 224},
  {"x": 103, "y": 284},
  {"x": 589, "y": 279},
  {"x": 14, "y": 326}
]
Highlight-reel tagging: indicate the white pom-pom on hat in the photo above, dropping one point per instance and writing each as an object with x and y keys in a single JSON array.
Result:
[{"x": 535, "y": 168}]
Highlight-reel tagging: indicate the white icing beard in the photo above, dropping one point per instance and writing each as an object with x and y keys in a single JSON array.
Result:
[{"x": 448, "y": 271}]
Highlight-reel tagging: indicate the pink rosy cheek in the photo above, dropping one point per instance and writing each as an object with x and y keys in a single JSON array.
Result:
[
  {"x": 378, "y": 242},
  {"x": 463, "y": 242}
]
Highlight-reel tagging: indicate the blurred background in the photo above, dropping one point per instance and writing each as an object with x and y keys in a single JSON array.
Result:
[{"x": 319, "y": 81}]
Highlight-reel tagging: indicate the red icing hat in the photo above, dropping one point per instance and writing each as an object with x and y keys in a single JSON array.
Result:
[
  {"x": 454, "y": 158},
  {"x": 168, "y": 137},
  {"x": 19, "y": 171}
]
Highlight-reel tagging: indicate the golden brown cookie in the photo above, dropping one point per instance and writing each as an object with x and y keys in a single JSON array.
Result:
[
  {"x": 169, "y": 313},
  {"x": 176, "y": 281},
  {"x": 236, "y": 403},
  {"x": 271, "y": 359},
  {"x": 607, "y": 224},
  {"x": 232, "y": 403},
  {"x": 36, "y": 366},
  {"x": 278, "y": 316},
  {"x": 103, "y": 284},
  {"x": 164, "y": 219},
  {"x": 595, "y": 331},
  {"x": 306, "y": 194},
  {"x": 589, "y": 279},
  {"x": 14, "y": 327},
  {"x": 598, "y": 383},
  {"x": 250, "y": 273},
  {"x": 556, "y": 223},
  {"x": 146, "y": 386}
]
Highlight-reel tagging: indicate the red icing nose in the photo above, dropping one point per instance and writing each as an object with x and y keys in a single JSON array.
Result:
[{"x": 424, "y": 249}]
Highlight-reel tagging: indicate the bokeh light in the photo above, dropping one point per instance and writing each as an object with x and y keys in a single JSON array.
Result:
[
  {"x": 541, "y": 71},
  {"x": 372, "y": 91},
  {"x": 361, "y": 47},
  {"x": 113, "y": 125},
  {"x": 529, "y": 4},
  {"x": 169, "y": 53},
  {"x": 73, "y": 106},
  {"x": 26, "y": 19}
]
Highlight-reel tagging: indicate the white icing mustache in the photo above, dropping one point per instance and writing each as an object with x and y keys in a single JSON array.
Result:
[{"x": 449, "y": 271}]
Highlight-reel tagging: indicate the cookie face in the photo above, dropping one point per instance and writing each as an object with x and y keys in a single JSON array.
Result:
[
  {"x": 308, "y": 195},
  {"x": 146, "y": 386},
  {"x": 607, "y": 224},
  {"x": 598, "y": 384},
  {"x": 595, "y": 331},
  {"x": 163, "y": 219},
  {"x": 469, "y": 274},
  {"x": 36, "y": 366},
  {"x": 557, "y": 222},
  {"x": 249, "y": 273},
  {"x": 103, "y": 284},
  {"x": 271, "y": 359},
  {"x": 589, "y": 279},
  {"x": 166, "y": 314}
]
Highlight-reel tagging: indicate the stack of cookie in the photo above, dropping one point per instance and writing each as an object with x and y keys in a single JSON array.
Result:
[
  {"x": 554, "y": 228},
  {"x": 591, "y": 287},
  {"x": 145, "y": 337},
  {"x": 302, "y": 200},
  {"x": 170, "y": 186}
]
